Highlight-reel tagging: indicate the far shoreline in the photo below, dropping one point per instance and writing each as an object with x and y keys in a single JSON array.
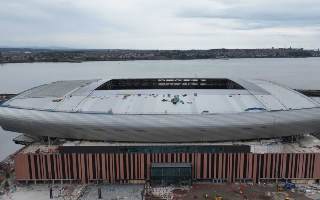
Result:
[
  {"x": 25, "y": 55},
  {"x": 130, "y": 60}
]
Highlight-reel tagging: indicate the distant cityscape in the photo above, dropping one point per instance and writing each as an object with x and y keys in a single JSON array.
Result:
[{"x": 28, "y": 55}]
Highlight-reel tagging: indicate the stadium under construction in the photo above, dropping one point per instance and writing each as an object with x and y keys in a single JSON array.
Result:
[{"x": 164, "y": 131}]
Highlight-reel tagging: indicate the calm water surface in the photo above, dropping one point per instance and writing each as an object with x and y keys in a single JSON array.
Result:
[{"x": 299, "y": 73}]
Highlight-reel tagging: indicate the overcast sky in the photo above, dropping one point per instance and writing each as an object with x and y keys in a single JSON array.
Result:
[{"x": 160, "y": 24}]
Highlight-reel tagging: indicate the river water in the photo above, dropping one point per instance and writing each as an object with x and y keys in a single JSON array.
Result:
[{"x": 298, "y": 73}]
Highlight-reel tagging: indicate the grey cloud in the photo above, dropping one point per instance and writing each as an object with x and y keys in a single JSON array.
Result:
[
  {"x": 160, "y": 24},
  {"x": 261, "y": 15},
  {"x": 45, "y": 16}
]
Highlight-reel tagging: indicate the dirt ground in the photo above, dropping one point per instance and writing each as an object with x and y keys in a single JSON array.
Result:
[{"x": 236, "y": 192}]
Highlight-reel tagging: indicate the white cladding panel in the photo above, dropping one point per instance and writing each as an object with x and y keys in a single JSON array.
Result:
[
  {"x": 289, "y": 98},
  {"x": 270, "y": 102},
  {"x": 44, "y": 103},
  {"x": 70, "y": 104}
]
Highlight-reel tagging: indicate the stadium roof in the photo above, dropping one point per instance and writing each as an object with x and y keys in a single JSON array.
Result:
[{"x": 162, "y": 96}]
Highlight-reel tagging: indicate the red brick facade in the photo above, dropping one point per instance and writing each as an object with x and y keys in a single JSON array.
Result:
[{"x": 126, "y": 167}]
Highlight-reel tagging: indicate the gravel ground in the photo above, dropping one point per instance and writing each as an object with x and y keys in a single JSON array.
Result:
[
  {"x": 133, "y": 192},
  {"x": 236, "y": 192},
  {"x": 114, "y": 192}
]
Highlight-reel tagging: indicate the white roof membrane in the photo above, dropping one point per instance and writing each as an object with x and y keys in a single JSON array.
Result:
[{"x": 82, "y": 96}]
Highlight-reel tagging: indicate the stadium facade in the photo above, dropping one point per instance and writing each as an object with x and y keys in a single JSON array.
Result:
[{"x": 162, "y": 130}]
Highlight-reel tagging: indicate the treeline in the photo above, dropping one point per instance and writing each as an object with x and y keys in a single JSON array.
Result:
[{"x": 20, "y": 55}]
